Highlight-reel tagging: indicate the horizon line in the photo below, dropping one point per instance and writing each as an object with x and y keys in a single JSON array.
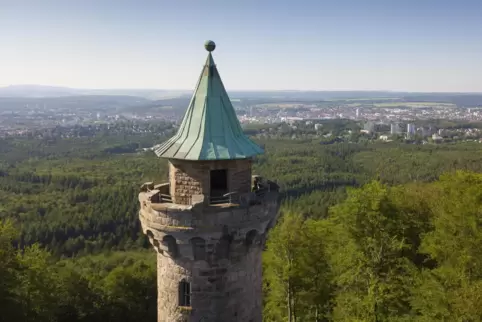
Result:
[{"x": 238, "y": 90}]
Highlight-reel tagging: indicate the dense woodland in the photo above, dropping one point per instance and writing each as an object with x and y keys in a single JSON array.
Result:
[
  {"x": 384, "y": 231},
  {"x": 409, "y": 252}
]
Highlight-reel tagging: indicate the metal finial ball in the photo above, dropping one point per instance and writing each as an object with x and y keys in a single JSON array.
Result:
[{"x": 209, "y": 45}]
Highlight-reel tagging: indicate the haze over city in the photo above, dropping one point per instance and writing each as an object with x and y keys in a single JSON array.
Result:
[{"x": 262, "y": 45}]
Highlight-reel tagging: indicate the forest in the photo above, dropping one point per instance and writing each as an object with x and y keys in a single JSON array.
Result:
[
  {"x": 384, "y": 232},
  {"x": 407, "y": 252}
]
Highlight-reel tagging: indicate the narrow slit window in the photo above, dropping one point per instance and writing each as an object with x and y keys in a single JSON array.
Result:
[
  {"x": 250, "y": 238},
  {"x": 198, "y": 248},
  {"x": 184, "y": 293},
  {"x": 171, "y": 244}
]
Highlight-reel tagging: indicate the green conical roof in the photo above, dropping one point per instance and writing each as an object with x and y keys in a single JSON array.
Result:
[{"x": 210, "y": 129}]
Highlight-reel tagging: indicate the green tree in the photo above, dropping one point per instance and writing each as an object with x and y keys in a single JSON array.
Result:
[
  {"x": 452, "y": 291},
  {"x": 315, "y": 271},
  {"x": 36, "y": 286},
  {"x": 132, "y": 291},
  {"x": 9, "y": 274},
  {"x": 296, "y": 274},
  {"x": 282, "y": 276},
  {"x": 373, "y": 275}
]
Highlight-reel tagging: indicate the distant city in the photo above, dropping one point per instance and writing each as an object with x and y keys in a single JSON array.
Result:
[{"x": 399, "y": 112}]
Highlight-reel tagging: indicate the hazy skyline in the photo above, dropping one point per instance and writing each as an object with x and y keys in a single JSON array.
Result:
[{"x": 411, "y": 45}]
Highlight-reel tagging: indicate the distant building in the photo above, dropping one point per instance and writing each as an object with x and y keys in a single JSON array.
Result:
[
  {"x": 291, "y": 119},
  {"x": 426, "y": 131},
  {"x": 436, "y": 137},
  {"x": 318, "y": 126},
  {"x": 357, "y": 113},
  {"x": 368, "y": 127},
  {"x": 384, "y": 137},
  {"x": 394, "y": 128},
  {"x": 410, "y": 130}
]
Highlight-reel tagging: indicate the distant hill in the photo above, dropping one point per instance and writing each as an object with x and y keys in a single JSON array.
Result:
[
  {"x": 459, "y": 99},
  {"x": 153, "y": 94},
  {"x": 84, "y": 102},
  {"x": 40, "y": 91},
  {"x": 36, "y": 91},
  {"x": 313, "y": 95},
  {"x": 175, "y": 98}
]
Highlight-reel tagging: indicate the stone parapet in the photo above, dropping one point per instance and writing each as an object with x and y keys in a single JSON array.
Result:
[
  {"x": 183, "y": 223},
  {"x": 214, "y": 248},
  {"x": 207, "y": 217}
]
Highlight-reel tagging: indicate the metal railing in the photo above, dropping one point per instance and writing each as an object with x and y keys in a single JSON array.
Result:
[
  {"x": 163, "y": 198},
  {"x": 230, "y": 197},
  {"x": 227, "y": 198},
  {"x": 234, "y": 197},
  {"x": 260, "y": 193}
]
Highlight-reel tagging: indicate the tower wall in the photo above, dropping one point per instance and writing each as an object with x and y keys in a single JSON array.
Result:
[
  {"x": 225, "y": 274},
  {"x": 227, "y": 291},
  {"x": 189, "y": 178}
]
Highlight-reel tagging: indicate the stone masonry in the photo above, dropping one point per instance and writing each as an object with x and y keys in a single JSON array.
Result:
[
  {"x": 193, "y": 178},
  {"x": 215, "y": 248}
]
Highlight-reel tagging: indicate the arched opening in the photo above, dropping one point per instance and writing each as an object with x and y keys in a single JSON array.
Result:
[
  {"x": 156, "y": 245},
  {"x": 198, "y": 248},
  {"x": 171, "y": 244},
  {"x": 223, "y": 247},
  {"x": 184, "y": 293}
]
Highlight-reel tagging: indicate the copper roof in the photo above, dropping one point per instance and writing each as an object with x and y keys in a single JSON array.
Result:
[{"x": 210, "y": 129}]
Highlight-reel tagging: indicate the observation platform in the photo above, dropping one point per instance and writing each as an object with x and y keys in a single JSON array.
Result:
[{"x": 205, "y": 215}]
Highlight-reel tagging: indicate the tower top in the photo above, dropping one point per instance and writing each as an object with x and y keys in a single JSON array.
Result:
[
  {"x": 209, "y": 45},
  {"x": 210, "y": 129}
]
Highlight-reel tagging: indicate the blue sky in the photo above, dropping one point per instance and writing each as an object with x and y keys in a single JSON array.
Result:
[{"x": 410, "y": 45}]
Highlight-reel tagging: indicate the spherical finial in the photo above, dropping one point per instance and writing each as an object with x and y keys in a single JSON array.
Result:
[{"x": 209, "y": 45}]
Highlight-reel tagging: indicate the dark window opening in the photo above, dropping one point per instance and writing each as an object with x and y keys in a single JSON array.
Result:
[
  {"x": 219, "y": 182},
  {"x": 250, "y": 238},
  {"x": 184, "y": 293},
  {"x": 171, "y": 244},
  {"x": 223, "y": 247},
  {"x": 198, "y": 248}
]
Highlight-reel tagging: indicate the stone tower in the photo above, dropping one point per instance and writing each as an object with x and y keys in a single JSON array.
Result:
[{"x": 208, "y": 224}]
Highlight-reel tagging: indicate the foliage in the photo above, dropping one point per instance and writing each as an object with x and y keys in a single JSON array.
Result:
[
  {"x": 296, "y": 276},
  {"x": 455, "y": 243},
  {"x": 404, "y": 247},
  {"x": 386, "y": 253},
  {"x": 119, "y": 286}
]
